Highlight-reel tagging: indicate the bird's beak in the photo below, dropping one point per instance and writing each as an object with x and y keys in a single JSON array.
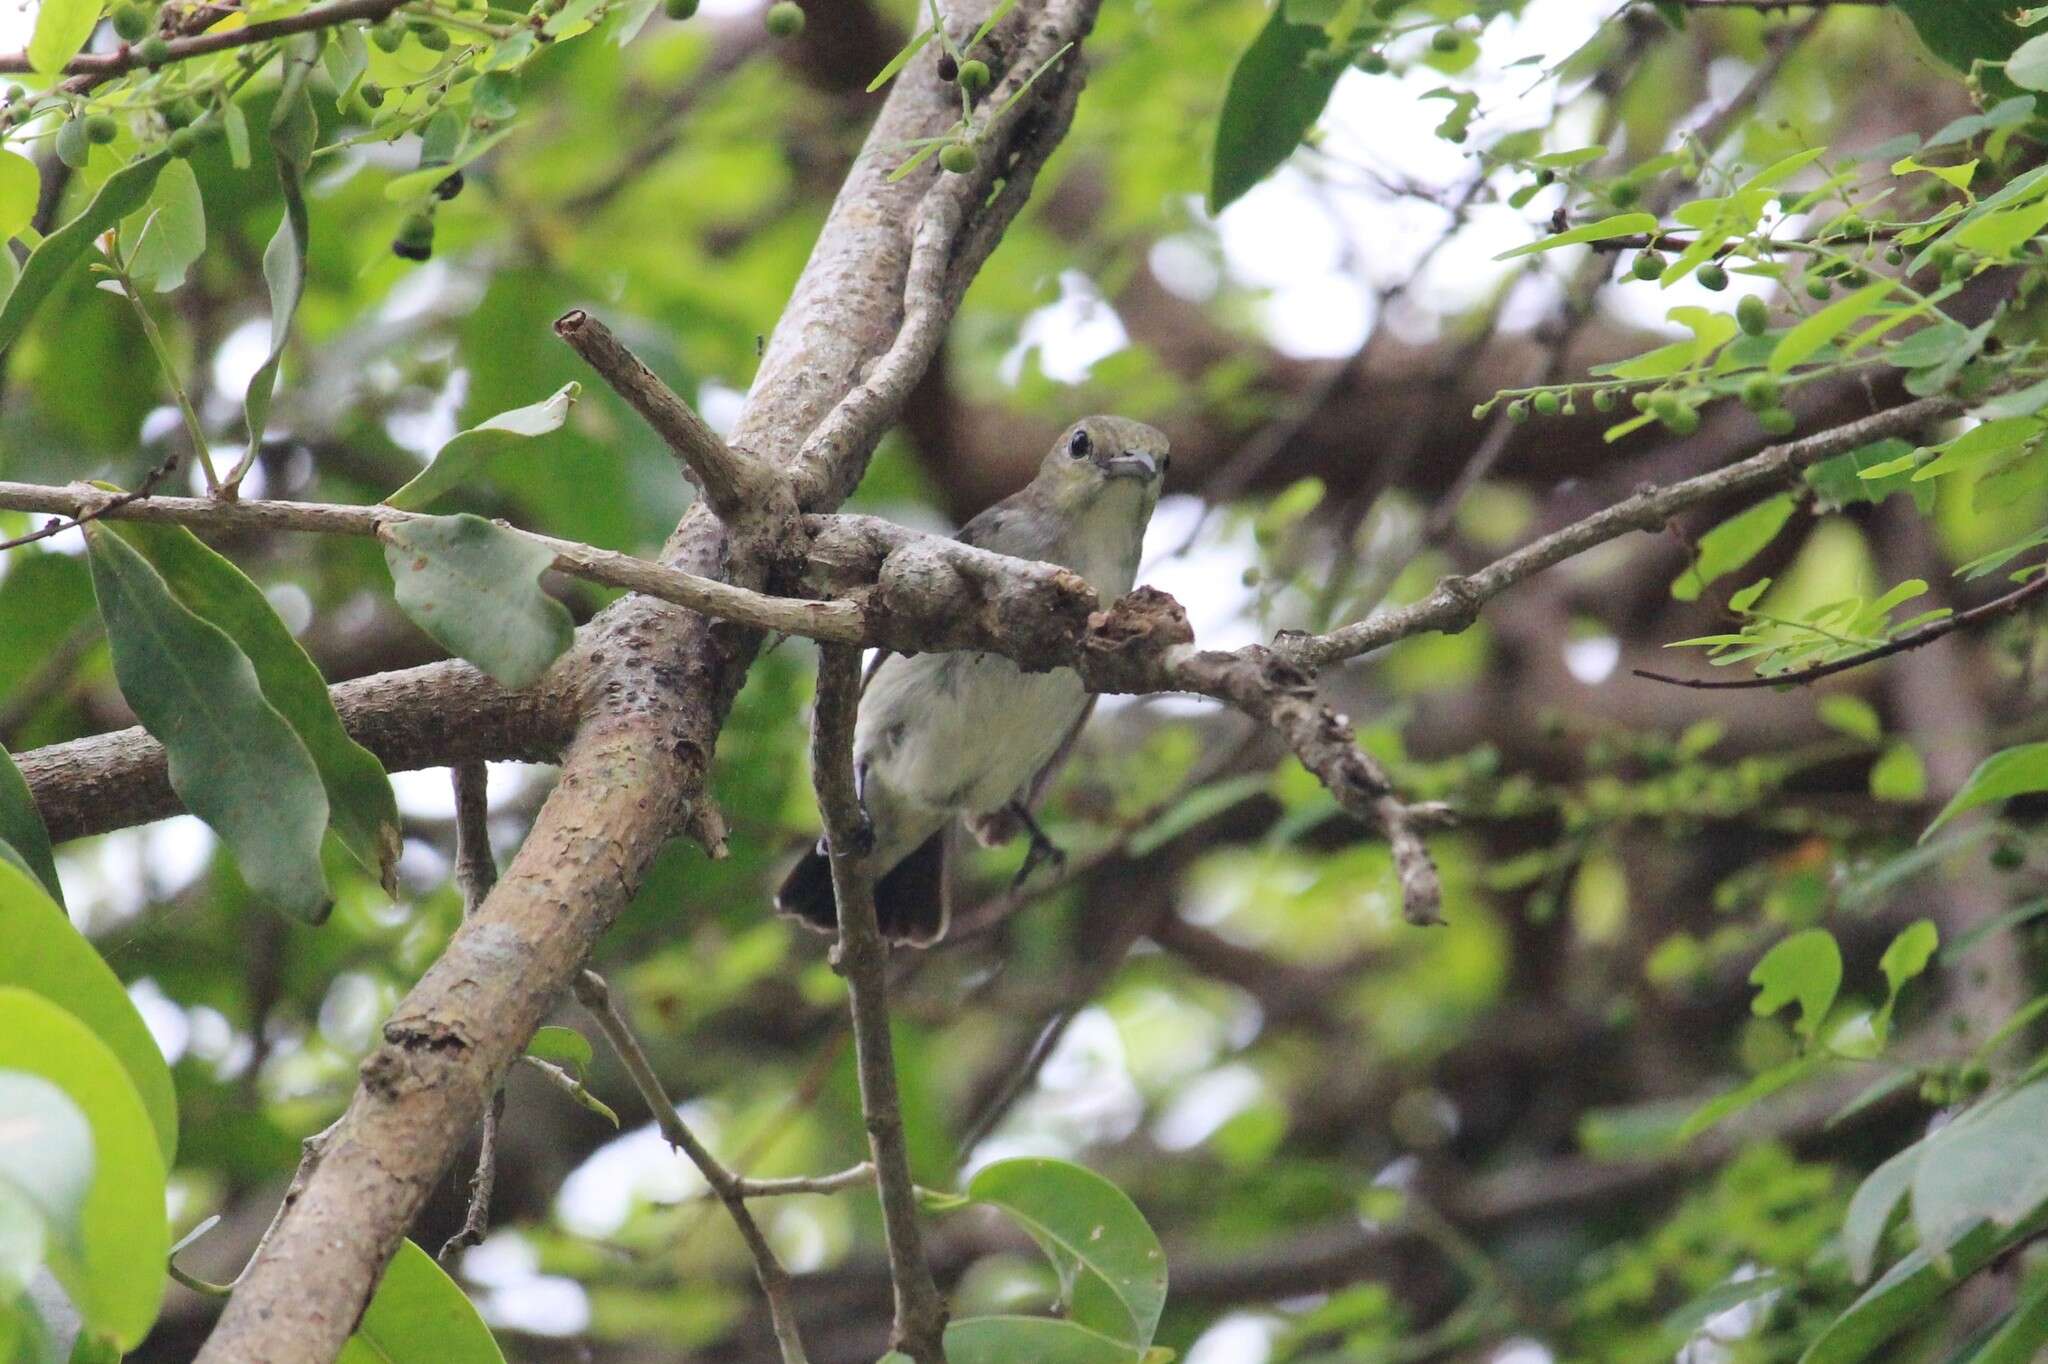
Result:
[{"x": 1137, "y": 464}]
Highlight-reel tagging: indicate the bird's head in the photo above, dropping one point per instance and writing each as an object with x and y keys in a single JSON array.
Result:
[{"x": 1102, "y": 458}]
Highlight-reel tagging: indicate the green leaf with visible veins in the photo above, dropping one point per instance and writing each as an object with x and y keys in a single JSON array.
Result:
[
  {"x": 359, "y": 799},
  {"x": 420, "y": 1316},
  {"x": 475, "y": 588},
  {"x": 457, "y": 462},
  {"x": 126, "y": 190},
  {"x": 233, "y": 759},
  {"x": 1112, "y": 1270}
]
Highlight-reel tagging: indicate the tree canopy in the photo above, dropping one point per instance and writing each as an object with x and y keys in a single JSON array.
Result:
[{"x": 1555, "y": 869}]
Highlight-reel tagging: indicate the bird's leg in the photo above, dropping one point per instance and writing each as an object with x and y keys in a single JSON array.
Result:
[
  {"x": 863, "y": 839},
  {"x": 1042, "y": 848}
]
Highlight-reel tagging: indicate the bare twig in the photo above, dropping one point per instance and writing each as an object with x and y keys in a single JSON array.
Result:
[
  {"x": 595, "y": 995},
  {"x": 734, "y": 483},
  {"x": 1912, "y": 639},
  {"x": 110, "y": 504},
  {"x": 862, "y": 957},
  {"x": 476, "y": 871},
  {"x": 852, "y": 1177}
]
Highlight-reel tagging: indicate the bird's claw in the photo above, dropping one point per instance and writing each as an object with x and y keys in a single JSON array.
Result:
[{"x": 1042, "y": 850}]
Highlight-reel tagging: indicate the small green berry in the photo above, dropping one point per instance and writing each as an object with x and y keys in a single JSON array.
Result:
[
  {"x": 1372, "y": 63},
  {"x": 389, "y": 35},
  {"x": 679, "y": 9},
  {"x": 181, "y": 142},
  {"x": 1895, "y": 254},
  {"x": 974, "y": 75},
  {"x": 1712, "y": 276},
  {"x": 1753, "y": 315},
  {"x": 1641, "y": 402},
  {"x": 1547, "y": 403},
  {"x": 1444, "y": 40},
  {"x": 1818, "y": 288},
  {"x": 1649, "y": 264},
  {"x": 1624, "y": 194},
  {"x": 1760, "y": 393},
  {"x": 1518, "y": 411},
  {"x": 372, "y": 94},
  {"x": 100, "y": 129},
  {"x": 415, "y": 239},
  {"x": 153, "y": 50},
  {"x": 1603, "y": 400},
  {"x": 2008, "y": 857},
  {"x": 130, "y": 22},
  {"x": 959, "y": 157},
  {"x": 1777, "y": 421},
  {"x": 1545, "y": 178},
  {"x": 785, "y": 18},
  {"x": 433, "y": 38},
  {"x": 1853, "y": 226},
  {"x": 1682, "y": 422}
]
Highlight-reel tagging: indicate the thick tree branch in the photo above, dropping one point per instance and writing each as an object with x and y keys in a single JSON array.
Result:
[
  {"x": 656, "y": 682},
  {"x": 863, "y": 958}
]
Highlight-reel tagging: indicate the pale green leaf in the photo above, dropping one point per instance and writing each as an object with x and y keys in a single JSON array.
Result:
[
  {"x": 1824, "y": 326},
  {"x": 2014, "y": 772},
  {"x": 1112, "y": 1270},
  {"x": 62, "y": 26},
  {"x": 1619, "y": 225},
  {"x": 1806, "y": 969},
  {"x": 20, "y": 187},
  {"x": 126, "y": 190},
  {"x": 458, "y": 461},
  {"x": 420, "y": 1316},
  {"x": 475, "y": 588}
]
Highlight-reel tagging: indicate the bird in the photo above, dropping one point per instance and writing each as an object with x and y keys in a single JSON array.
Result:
[{"x": 971, "y": 735}]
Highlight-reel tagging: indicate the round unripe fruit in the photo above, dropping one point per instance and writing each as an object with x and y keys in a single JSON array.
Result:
[
  {"x": 1777, "y": 421},
  {"x": 1712, "y": 276},
  {"x": 1547, "y": 404},
  {"x": 415, "y": 239},
  {"x": 1518, "y": 411},
  {"x": 949, "y": 69},
  {"x": 785, "y": 18},
  {"x": 389, "y": 36},
  {"x": 372, "y": 94},
  {"x": 182, "y": 141},
  {"x": 1753, "y": 315},
  {"x": 959, "y": 158},
  {"x": 1623, "y": 194},
  {"x": 433, "y": 38},
  {"x": 100, "y": 129},
  {"x": 1895, "y": 254},
  {"x": 1648, "y": 265},
  {"x": 1760, "y": 393},
  {"x": 974, "y": 75},
  {"x": 130, "y": 22},
  {"x": 1681, "y": 422},
  {"x": 1818, "y": 289},
  {"x": 1372, "y": 63},
  {"x": 1444, "y": 40},
  {"x": 1603, "y": 400},
  {"x": 1641, "y": 402},
  {"x": 2008, "y": 857},
  {"x": 679, "y": 9},
  {"x": 451, "y": 186},
  {"x": 153, "y": 50}
]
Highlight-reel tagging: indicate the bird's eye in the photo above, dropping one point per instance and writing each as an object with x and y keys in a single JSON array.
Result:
[{"x": 1080, "y": 446}]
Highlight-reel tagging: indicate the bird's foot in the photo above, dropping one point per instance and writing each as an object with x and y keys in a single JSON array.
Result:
[{"x": 1042, "y": 852}]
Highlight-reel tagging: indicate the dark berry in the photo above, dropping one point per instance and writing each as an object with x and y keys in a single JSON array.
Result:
[
  {"x": 1444, "y": 40},
  {"x": 415, "y": 240},
  {"x": 451, "y": 186},
  {"x": 949, "y": 69},
  {"x": 679, "y": 9}
]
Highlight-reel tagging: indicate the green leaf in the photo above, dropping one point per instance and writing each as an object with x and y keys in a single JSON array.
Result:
[
  {"x": 475, "y": 588},
  {"x": 1038, "y": 1340},
  {"x": 20, "y": 187},
  {"x": 420, "y": 183},
  {"x": 116, "y": 1279},
  {"x": 1733, "y": 543},
  {"x": 22, "y": 830},
  {"x": 62, "y": 26},
  {"x": 2014, "y": 772},
  {"x": 233, "y": 759},
  {"x": 2024, "y": 1336},
  {"x": 1908, "y": 956},
  {"x": 1852, "y": 715},
  {"x": 1198, "y": 806},
  {"x": 1112, "y": 1270},
  {"x": 46, "y": 1163},
  {"x": 1684, "y": 1321},
  {"x": 1759, "y": 1087},
  {"x": 294, "y": 130},
  {"x": 1989, "y": 1165},
  {"x": 1824, "y": 326},
  {"x": 360, "y": 803},
  {"x": 1965, "y": 32},
  {"x": 1871, "y": 1209},
  {"x": 1620, "y": 225},
  {"x": 458, "y": 461},
  {"x": 49, "y": 957},
  {"x": 1805, "y": 968},
  {"x": 1273, "y": 99},
  {"x": 900, "y": 60},
  {"x": 1981, "y": 443},
  {"x": 420, "y": 1316},
  {"x": 1899, "y": 775},
  {"x": 565, "y": 1047},
  {"x": 126, "y": 190},
  {"x": 163, "y": 244},
  {"x": 1902, "y": 1297}
]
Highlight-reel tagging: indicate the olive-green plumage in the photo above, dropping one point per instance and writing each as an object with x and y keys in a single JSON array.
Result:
[{"x": 942, "y": 736}]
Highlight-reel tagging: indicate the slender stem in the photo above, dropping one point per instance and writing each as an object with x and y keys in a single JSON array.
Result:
[
  {"x": 476, "y": 871},
  {"x": 193, "y": 430},
  {"x": 862, "y": 957},
  {"x": 102, "y": 65},
  {"x": 595, "y": 995}
]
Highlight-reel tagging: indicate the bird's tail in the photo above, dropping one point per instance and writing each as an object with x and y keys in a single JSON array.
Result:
[{"x": 911, "y": 903}]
